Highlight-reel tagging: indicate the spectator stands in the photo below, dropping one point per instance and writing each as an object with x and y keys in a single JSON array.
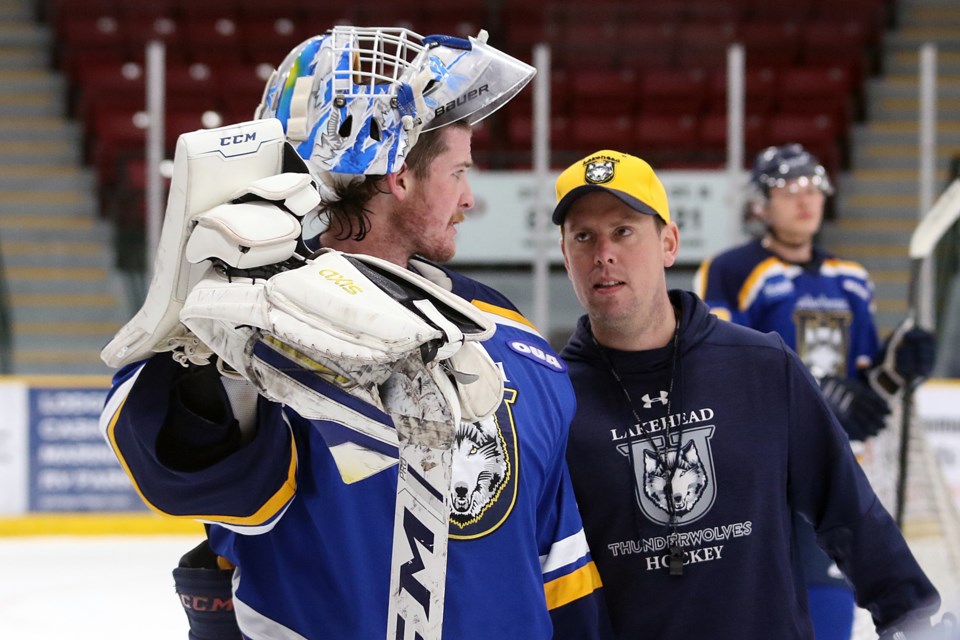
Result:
[{"x": 645, "y": 76}]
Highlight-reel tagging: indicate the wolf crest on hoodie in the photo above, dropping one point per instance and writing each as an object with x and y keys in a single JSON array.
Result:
[{"x": 747, "y": 442}]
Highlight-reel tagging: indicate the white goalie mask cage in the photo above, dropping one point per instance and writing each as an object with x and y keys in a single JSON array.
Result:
[{"x": 354, "y": 99}]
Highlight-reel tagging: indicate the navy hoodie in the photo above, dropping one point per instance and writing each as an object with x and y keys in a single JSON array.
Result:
[{"x": 721, "y": 440}]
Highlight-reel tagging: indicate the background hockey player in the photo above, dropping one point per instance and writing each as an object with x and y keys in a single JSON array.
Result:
[
  {"x": 822, "y": 306},
  {"x": 710, "y": 437},
  {"x": 301, "y": 493}
]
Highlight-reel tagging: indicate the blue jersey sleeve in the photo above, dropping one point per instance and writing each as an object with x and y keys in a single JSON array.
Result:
[
  {"x": 708, "y": 285},
  {"x": 251, "y": 486},
  {"x": 726, "y": 283},
  {"x": 571, "y": 581}
]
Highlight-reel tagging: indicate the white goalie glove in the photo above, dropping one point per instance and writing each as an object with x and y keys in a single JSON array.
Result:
[
  {"x": 358, "y": 342},
  {"x": 237, "y": 195}
]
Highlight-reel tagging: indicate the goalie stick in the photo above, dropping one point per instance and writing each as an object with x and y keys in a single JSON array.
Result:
[{"x": 944, "y": 213}]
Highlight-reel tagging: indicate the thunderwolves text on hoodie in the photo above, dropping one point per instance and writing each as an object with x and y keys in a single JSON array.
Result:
[{"x": 748, "y": 440}]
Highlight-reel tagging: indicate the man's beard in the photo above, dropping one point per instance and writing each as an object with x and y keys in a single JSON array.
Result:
[{"x": 410, "y": 225}]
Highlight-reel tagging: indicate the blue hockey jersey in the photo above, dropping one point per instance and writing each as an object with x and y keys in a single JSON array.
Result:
[
  {"x": 748, "y": 442},
  {"x": 823, "y": 309},
  {"x": 312, "y": 553}
]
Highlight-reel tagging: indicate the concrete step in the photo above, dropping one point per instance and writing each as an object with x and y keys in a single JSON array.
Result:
[
  {"x": 867, "y": 228},
  {"x": 59, "y": 362},
  {"x": 41, "y": 336},
  {"x": 913, "y": 37},
  {"x": 26, "y": 129},
  {"x": 905, "y": 131},
  {"x": 885, "y": 181},
  {"x": 948, "y": 109},
  {"x": 31, "y": 104},
  {"x": 880, "y": 205},
  {"x": 881, "y": 255},
  {"x": 78, "y": 229},
  {"x": 65, "y": 202},
  {"x": 65, "y": 304},
  {"x": 16, "y": 10},
  {"x": 45, "y": 178},
  {"x": 24, "y": 57},
  {"x": 926, "y": 15},
  {"x": 62, "y": 253},
  {"x": 907, "y": 62},
  {"x": 24, "y": 33},
  {"x": 51, "y": 279},
  {"x": 95, "y": 275},
  {"x": 30, "y": 80},
  {"x": 870, "y": 155},
  {"x": 23, "y": 152},
  {"x": 907, "y": 84},
  {"x": 862, "y": 229}
]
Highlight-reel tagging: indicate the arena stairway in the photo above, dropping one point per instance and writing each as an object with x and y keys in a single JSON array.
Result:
[
  {"x": 64, "y": 300},
  {"x": 878, "y": 200}
]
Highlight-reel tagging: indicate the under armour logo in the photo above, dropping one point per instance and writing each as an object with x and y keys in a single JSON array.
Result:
[{"x": 648, "y": 401}]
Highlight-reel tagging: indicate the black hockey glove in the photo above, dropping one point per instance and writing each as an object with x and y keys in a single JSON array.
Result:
[
  {"x": 915, "y": 353},
  {"x": 947, "y": 629},
  {"x": 860, "y": 410},
  {"x": 907, "y": 357},
  {"x": 206, "y": 593}
]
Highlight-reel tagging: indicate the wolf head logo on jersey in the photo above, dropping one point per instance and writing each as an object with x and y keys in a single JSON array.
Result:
[
  {"x": 688, "y": 471},
  {"x": 689, "y": 479},
  {"x": 480, "y": 470},
  {"x": 599, "y": 171},
  {"x": 823, "y": 340}
]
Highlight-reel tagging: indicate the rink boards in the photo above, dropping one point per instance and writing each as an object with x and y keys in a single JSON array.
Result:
[
  {"x": 57, "y": 472},
  {"x": 59, "y": 476}
]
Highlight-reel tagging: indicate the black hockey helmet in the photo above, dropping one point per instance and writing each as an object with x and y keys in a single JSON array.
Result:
[{"x": 775, "y": 166}]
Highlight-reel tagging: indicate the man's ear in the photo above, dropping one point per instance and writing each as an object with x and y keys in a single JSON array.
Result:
[
  {"x": 670, "y": 242},
  {"x": 400, "y": 182},
  {"x": 563, "y": 251}
]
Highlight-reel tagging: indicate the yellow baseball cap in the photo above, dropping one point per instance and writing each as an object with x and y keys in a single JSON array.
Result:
[{"x": 627, "y": 177}]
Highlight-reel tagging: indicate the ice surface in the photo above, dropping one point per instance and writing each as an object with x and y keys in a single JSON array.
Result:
[{"x": 91, "y": 587}]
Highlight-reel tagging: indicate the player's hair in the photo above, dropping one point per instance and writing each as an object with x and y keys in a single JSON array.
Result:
[{"x": 349, "y": 216}]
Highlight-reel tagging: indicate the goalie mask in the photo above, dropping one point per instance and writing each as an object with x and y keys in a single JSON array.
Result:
[{"x": 353, "y": 100}]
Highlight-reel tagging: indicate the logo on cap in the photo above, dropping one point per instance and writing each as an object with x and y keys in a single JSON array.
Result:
[{"x": 599, "y": 171}]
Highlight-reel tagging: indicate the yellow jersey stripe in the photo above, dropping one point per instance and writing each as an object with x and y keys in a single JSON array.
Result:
[
  {"x": 700, "y": 279},
  {"x": 572, "y": 586},
  {"x": 503, "y": 313},
  {"x": 755, "y": 281}
]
